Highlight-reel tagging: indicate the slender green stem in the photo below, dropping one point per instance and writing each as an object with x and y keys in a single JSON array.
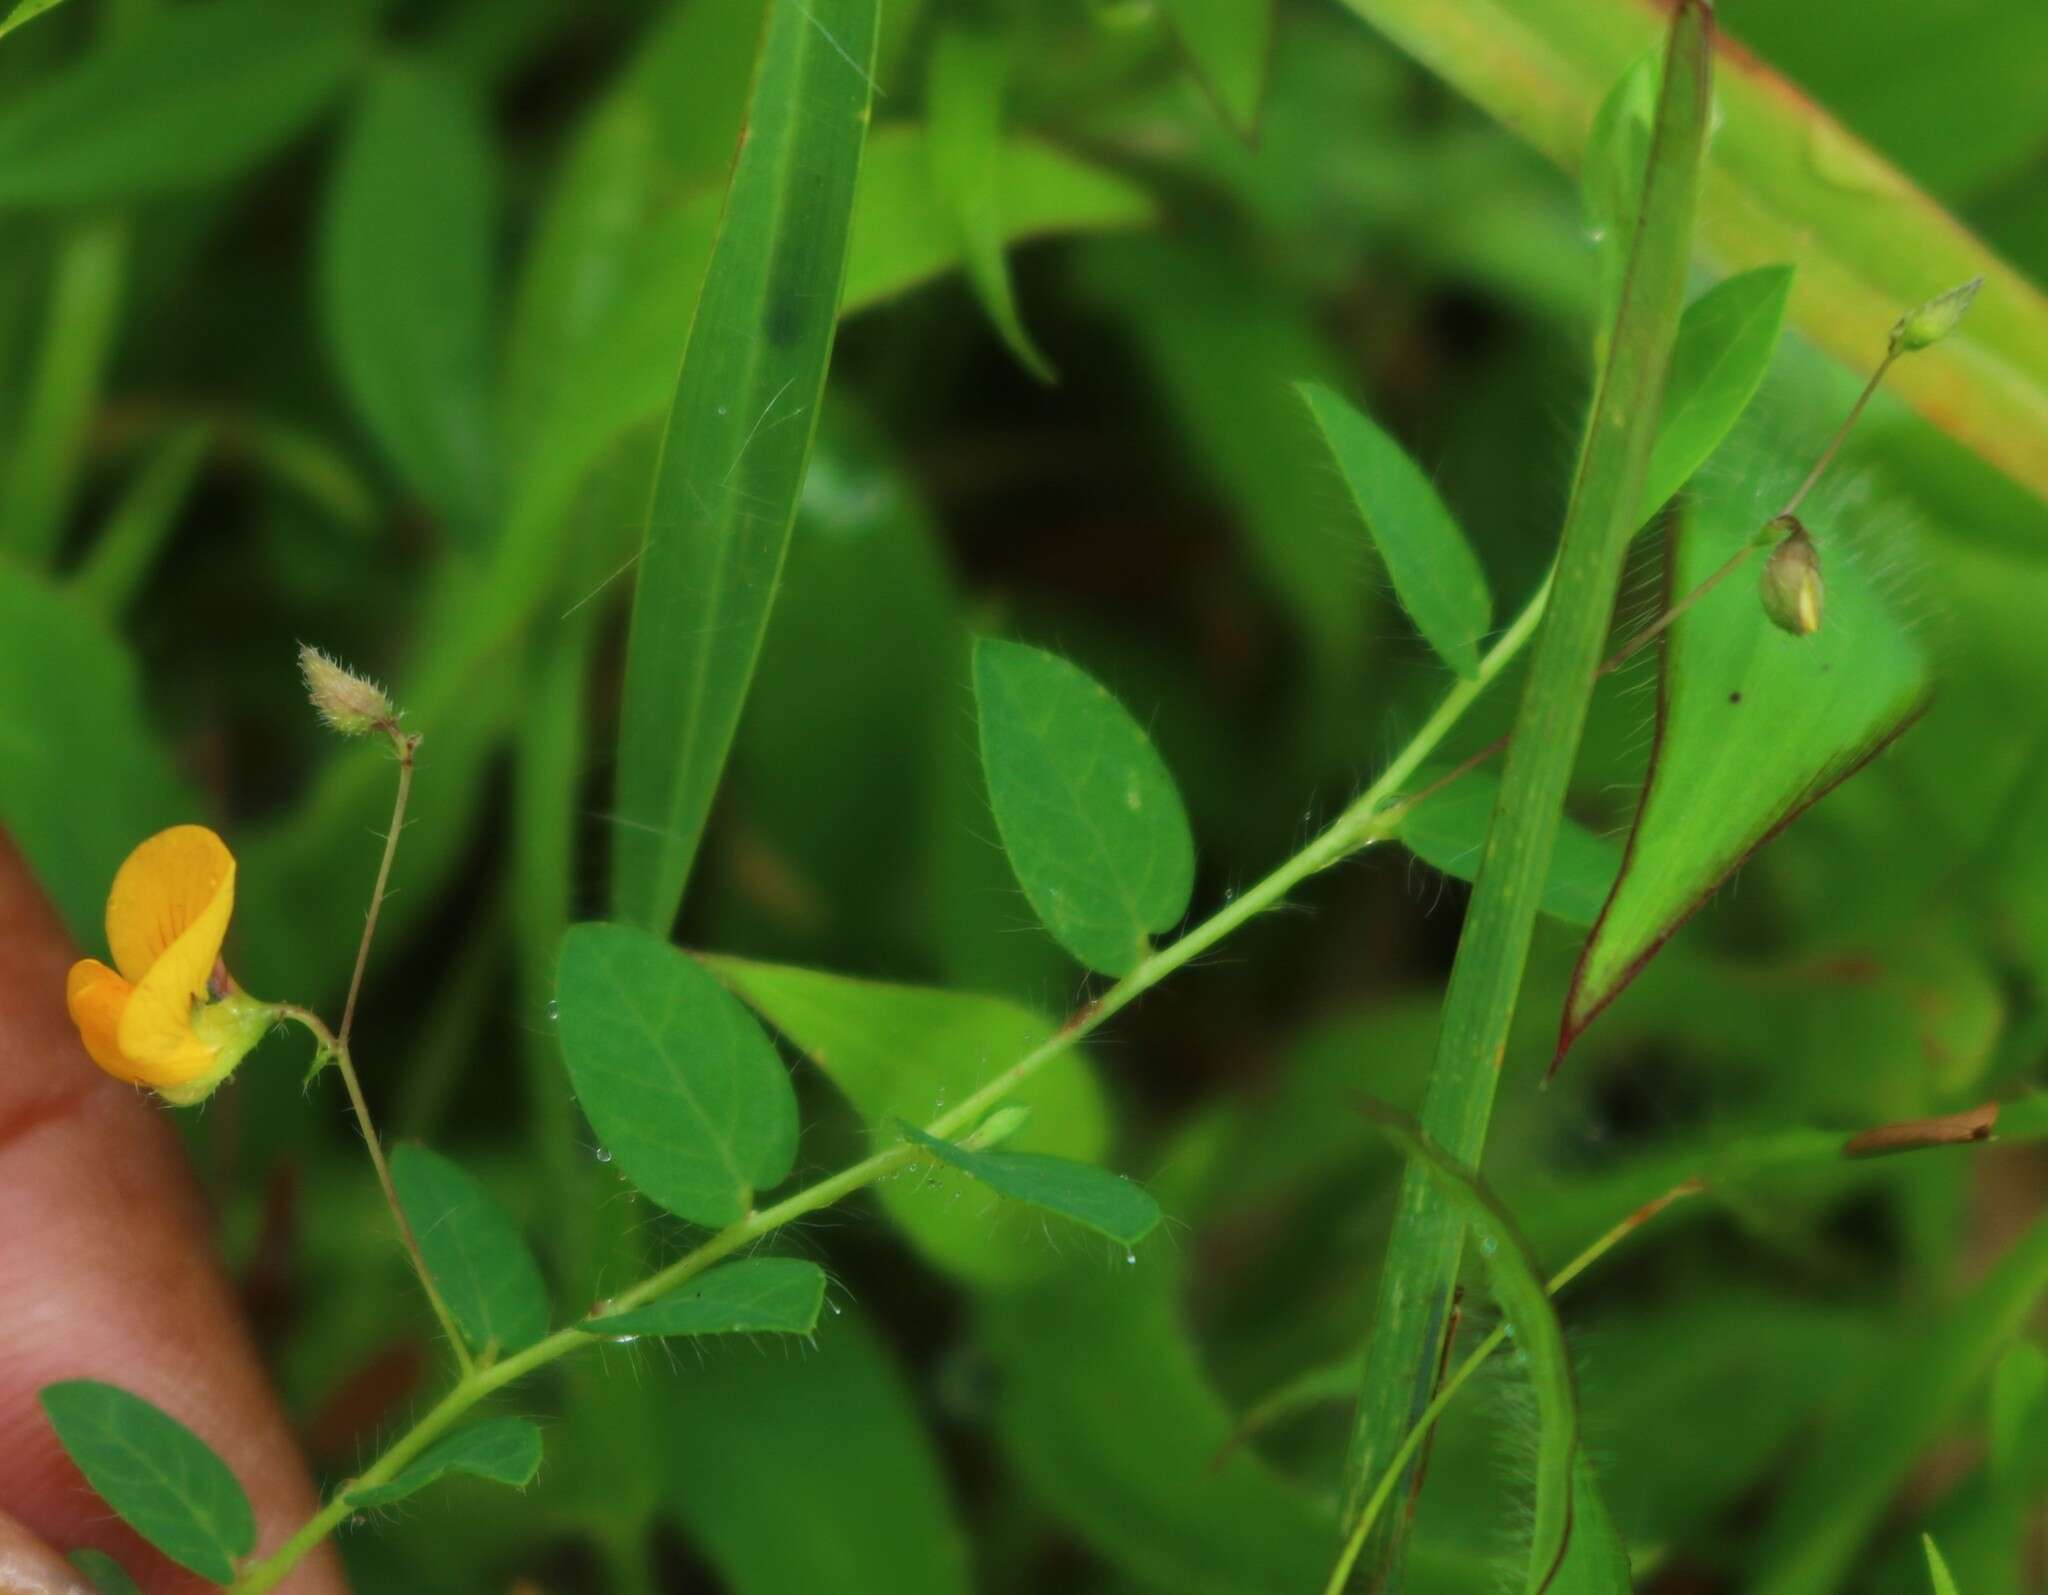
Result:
[
  {"x": 1411, "y": 1443},
  {"x": 1369, "y": 818},
  {"x": 1841, "y": 432},
  {"x": 405, "y": 746},
  {"x": 344, "y": 1064}
]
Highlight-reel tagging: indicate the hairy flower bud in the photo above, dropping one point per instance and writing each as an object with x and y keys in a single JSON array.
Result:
[
  {"x": 1934, "y": 320},
  {"x": 349, "y": 703},
  {"x": 1792, "y": 590}
]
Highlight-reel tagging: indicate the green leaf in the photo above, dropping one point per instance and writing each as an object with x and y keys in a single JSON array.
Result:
[
  {"x": 965, "y": 104},
  {"x": 1433, "y": 568},
  {"x": 1725, "y": 341},
  {"x": 1087, "y": 810},
  {"x": 1230, "y": 43},
  {"x": 904, "y": 1052},
  {"x": 107, "y": 1575},
  {"x": 1107, "y": 1415},
  {"x": 406, "y": 277},
  {"x": 1448, "y": 831},
  {"x": 675, "y": 1076},
  {"x": 1519, "y": 1288},
  {"x": 1095, "y": 1198},
  {"x": 760, "y": 1295},
  {"x": 499, "y": 1450},
  {"x": 738, "y": 439},
  {"x": 27, "y": 11},
  {"x": 183, "y": 96},
  {"x": 164, "y": 1481},
  {"x": 475, "y": 1253},
  {"x": 1754, "y": 725},
  {"x": 83, "y": 777},
  {"x": 838, "y": 1435},
  {"x": 1938, "y": 1575},
  {"x": 1837, "y": 1495},
  {"x": 1595, "y": 1560}
]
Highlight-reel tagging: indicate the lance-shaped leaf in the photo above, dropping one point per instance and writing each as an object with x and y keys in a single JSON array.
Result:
[
  {"x": 162, "y": 1479},
  {"x": 904, "y": 1052},
  {"x": 1447, "y": 829},
  {"x": 758, "y": 1295},
  {"x": 965, "y": 103},
  {"x": 1754, "y": 725},
  {"x": 738, "y": 439},
  {"x": 406, "y": 281},
  {"x": 1230, "y": 45},
  {"x": 1938, "y": 1575},
  {"x": 1718, "y": 360},
  {"x": 1087, "y": 809},
  {"x": 1095, "y": 1198},
  {"x": 1433, "y": 568},
  {"x": 1518, "y": 1286},
  {"x": 675, "y": 1076},
  {"x": 500, "y": 1450},
  {"x": 475, "y": 1253}
]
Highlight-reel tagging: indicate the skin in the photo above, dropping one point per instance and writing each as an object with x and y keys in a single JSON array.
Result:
[{"x": 107, "y": 1271}]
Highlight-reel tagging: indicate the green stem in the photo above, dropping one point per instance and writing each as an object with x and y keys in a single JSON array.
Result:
[
  {"x": 1370, "y": 818},
  {"x": 337, "y": 1049},
  {"x": 1412, "y": 1442},
  {"x": 1424, "y": 1251}
]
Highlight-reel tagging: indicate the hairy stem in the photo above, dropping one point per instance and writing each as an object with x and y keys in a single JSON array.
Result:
[{"x": 1370, "y": 818}]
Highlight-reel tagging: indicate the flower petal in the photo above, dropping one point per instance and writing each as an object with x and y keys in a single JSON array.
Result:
[
  {"x": 174, "y": 883},
  {"x": 97, "y": 998},
  {"x": 156, "y": 1036}
]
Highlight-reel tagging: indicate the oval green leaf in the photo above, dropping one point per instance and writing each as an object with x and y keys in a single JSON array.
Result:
[
  {"x": 1088, "y": 813},
  {"x": 186, "y": 95},
  {"x": 162, "y": 1479},
  {"x": 499, "y": 1450},
  {"x": 756, "y": 1296},
  {"x": 475, "y": 1253},
  {"x": 1094, "y": 1198},
  {"x": 406, "y": 278},
  {"x": 1433, "y": 568},
  {"x": 675, "y": 1076}
]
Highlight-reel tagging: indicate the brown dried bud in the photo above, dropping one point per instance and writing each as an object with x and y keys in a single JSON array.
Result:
[
  {"x": 351, "y": 704},
  {"x": 1792, "y": 589},
  {"x": 1934, "y": 320}
]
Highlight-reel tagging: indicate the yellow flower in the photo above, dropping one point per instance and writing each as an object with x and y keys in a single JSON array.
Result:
[{"x": 167, "y": 1015}]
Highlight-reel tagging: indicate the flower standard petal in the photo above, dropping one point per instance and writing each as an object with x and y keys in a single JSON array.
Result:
[
  {"x": 169, "y": 885},
  {"x": 156, "y": 1035}
]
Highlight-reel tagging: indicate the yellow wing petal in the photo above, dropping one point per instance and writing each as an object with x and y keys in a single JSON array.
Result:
[
  {"x": 169, "y": 886},
  {"x": 156, "y": 1034},
  {"x": 97, "y": 998}
]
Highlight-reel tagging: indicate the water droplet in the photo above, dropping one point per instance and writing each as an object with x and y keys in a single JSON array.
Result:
[
  {"x": 604, "y": 1154},
  {"x": 624, "y": 1340},
  {"x": 554, "y": 1009},
  {"x": 721, "y": 409},
  {"x": 1230, "y": 894},
  {"x": 1596, "y": 235},
  {"x": 1131, "y": 1258},
  {"x": 835, "y": 1308}
]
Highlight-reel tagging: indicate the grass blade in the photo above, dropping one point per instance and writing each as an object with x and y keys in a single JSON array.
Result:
[
  {"x": 1422, "y": 1261},
  {"x": 737, "y": 442}
]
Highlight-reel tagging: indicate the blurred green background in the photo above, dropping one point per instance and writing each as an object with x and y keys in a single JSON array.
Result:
[{"x": 350, "y": 324}]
